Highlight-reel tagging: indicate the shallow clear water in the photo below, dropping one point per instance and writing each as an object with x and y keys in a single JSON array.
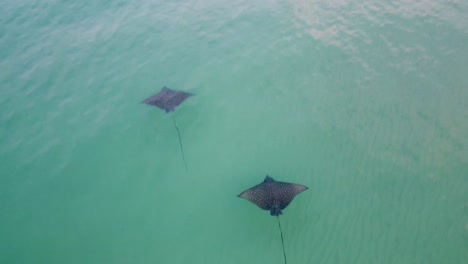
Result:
[{"x": 365, "y": 103}]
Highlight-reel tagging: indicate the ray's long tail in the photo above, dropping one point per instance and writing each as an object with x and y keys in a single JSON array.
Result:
[
  {"x": 282, "y": 240},
  {"x": 180, "y": 142}
]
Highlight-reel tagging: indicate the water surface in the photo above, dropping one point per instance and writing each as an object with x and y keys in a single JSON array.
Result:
[{"x": 363, "y": 102}]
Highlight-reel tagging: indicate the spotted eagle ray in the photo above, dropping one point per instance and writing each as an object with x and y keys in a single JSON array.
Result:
[
  {"x": 273, "y": 196},
  {"x": 168, "y": 99}
]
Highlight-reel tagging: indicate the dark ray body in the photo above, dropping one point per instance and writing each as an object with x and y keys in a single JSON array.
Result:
[
  {"x": 167, "y": 99},
  {"x": 272, "y": 195}
]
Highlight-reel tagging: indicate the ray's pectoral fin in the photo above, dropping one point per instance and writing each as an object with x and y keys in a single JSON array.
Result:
[{"x": 258, "y": 196}]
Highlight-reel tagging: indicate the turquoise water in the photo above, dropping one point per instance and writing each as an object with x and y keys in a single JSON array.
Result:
[{"x": 366, "y": 103}]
